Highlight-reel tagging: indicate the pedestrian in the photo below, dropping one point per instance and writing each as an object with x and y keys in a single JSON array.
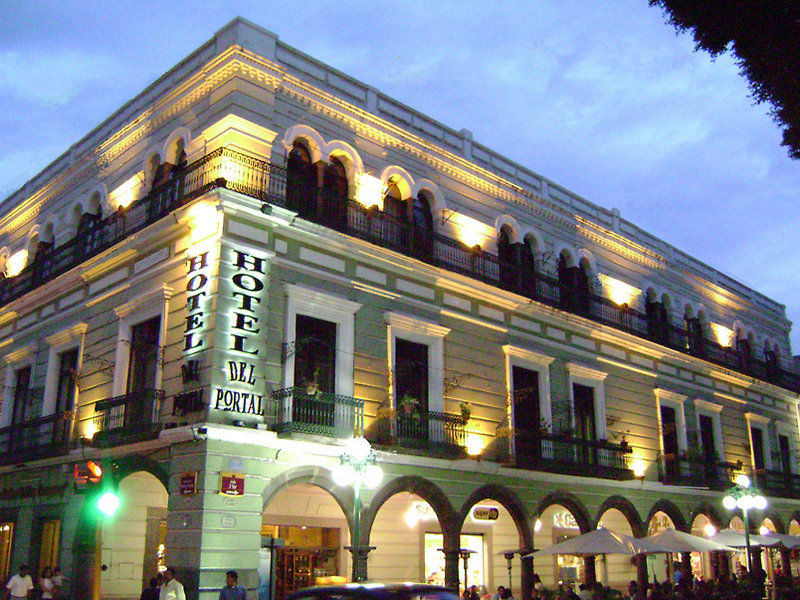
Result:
[
  {"x": 172, "y": 589},
  {"x": 150, "y": 592},
  {"x": 499, "y": 593},
  {"x": 58, "y": 582},
  {"x": 232, "y": 590},
  {"x": 19, "y": 587},
  {"x": 46, "y": 583}
]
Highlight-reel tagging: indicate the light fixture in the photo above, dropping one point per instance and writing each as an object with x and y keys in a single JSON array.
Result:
[{"x": 744, "y": 496}]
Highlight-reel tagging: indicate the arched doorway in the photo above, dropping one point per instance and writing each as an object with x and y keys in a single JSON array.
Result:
[
  {"x": 556, "y": 524},
  {"x": 704, "y": 526},
  {"x": 659, "y": 567},
  {"x": 304, "y": 533},
  {"x": 616, "y": 570},
  {"x": 133, "y": 541}
]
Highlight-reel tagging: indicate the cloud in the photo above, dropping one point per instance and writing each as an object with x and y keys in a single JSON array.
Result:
[{"x": 51, "y": 79}]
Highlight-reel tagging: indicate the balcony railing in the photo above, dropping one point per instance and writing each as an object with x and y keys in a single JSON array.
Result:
[
  {"x": 320, "y": 413},
  {"x": 427, "y": 429},
  {"x": 696, "y": 471},
  {"x": 778, "y": 483},
  {"x": 267, "y": 182},
  {"x": 129, "y": 418},
  {"x": 35, "y": 439},
  {"x": 559, "y": 453}
]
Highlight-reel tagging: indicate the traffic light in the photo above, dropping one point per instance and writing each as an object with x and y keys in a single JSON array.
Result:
[{"x": 99, "y": 485}]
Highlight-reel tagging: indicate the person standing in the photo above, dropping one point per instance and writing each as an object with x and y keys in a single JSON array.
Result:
[
  {"x": 150, "y": 592},
  {"x": 172, "y": 589},
  {"x": 46, "y": 583},
  {"x": 232, "y": 590},
  {"x": 19, "y": 586}
]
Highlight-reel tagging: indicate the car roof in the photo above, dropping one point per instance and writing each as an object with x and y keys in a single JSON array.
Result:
[{"x": 370, "y": 589}]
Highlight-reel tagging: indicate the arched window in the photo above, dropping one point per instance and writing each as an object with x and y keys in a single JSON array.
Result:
[
  {"x": 396, "y": 214},
  {"x": 508, "y": 260},
  {"x": 565, "y": 288},
  {"x": 657, "y": 318},
  {"x": 583, "y": 288},
  {"x": 695, "y": 341},
  {"x": 422, "y": 227},
  {"x": 88, "y": 235},
  {"x": 335, "y": 195},
  {"x": 301, "y": 182},
  {"x": 771, "y": 362},
  {"x": 744, "y": 348}
]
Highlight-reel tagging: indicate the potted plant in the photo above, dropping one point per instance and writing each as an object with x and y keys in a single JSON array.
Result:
[
  {"x": 466, "y": 410},
  {"x": 409, "y": 407},
  {"x": 385, "y": 410},
  {"x": 312, "y": 385}
]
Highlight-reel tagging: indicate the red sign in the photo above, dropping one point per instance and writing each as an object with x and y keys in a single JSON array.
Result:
[
  {"x": 231, "y": 484},
  {"x": 188, "y": 485}
]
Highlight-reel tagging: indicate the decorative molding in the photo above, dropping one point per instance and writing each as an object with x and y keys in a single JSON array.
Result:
[
  {"x": 311, "y": 296},
  {"x": 670, "y": 396},
  {"x": 415, "y": 325},
  {"x": 577, "y": 370},
  {"x": 18, "y": 355},
  {"x": 158, "y": 294},
  {"x": 708, "y": 406},
  {"x": 756, "y": 418},
  {"x": 65, "y": 335},
  {"x": 528, "y": 355}
]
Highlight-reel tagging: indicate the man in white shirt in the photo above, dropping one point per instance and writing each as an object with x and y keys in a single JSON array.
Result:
[
  {"x": 172, "y": 589},
  {"x": 19, "y": 586}
]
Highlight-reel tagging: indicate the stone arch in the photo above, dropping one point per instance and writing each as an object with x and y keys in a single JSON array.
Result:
[
  {"x": 534, "y": 239},
  {"x": 428, "y": 491},
  {"x": 567, "y": 252},
  {"x": 672, "y": 511},
  {"x": 348, "y": 156},
  {"x": 795, "y": 516},
  {"x": 135, "y": 463},
  {"x": 438, "y": 203},
  {"x": 312, "y": 139},
  {"x": 74, "y": 215},
  {"x": 401, "y": 178},
  {"x": 773, "y": 516},
  {"x": 512, "y": 226},
  {"x": 31, "y": 241},
  {"x": 4, "y": 253},
  {"x": 571, "y": 503},
  {"x": 152, "y": 160},
  {"x": 510, "y": 502},
  {"x": 170, "y": 148},
  {"x": 317, "y": 476},
  {"x": 710, "y": 512},
  {"x": 47, "y": 233},
  {"x": 628, "y": 510},
  {"x": 584, "y": 257}
]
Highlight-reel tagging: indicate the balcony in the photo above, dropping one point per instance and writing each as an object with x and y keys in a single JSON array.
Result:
[
  {"x": 697, "y": 471},
  {"x": 36, "y": 439},
  {"x": 439, "y": 434},
  {"x": 319, "y": 413},
  {"x": 778, "y": 483},
  {"x": 568, "y": 455},
  {"x": 132, "y": 417},
  {"x": 267, "y": 182}
]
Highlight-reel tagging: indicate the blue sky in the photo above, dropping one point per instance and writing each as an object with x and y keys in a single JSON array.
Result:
[{"x": 600, "y": 96}]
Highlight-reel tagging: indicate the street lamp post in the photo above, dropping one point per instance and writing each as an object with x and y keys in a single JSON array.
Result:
[
  {"x": 357, "y": 467},
  {"x": 745, "y": 496}
]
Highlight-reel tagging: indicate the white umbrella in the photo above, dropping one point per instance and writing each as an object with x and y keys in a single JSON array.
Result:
[
  {"x": 680, "y": 541},
  {"x": 601, "y": 541},
  {"x": 785, "y": 540},
  {"x": 731, "y": 537}
]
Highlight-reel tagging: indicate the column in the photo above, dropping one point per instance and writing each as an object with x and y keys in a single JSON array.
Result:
[
  {"x": 589, "y": 569},
  {"x": 86, "y": 557},
  {"x": 641, "y": 571},
  {"x": 526, "y": 574},
  {"x": 451, "y": 575},
  {"x": 359, "y": 554},
  {"x": 786, "y": 563},
  {"x": 686, "y": 567}
]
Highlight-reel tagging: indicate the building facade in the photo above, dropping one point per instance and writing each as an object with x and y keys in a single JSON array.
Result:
[{"x": 259, "y": 258}]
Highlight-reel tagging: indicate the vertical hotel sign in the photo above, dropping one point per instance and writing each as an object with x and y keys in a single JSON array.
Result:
[{"x": 242, "y": 304}]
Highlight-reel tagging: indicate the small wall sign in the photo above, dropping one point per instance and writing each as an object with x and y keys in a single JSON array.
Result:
[
  {"x": 485, "y": 513},
  {"x": 188, "y": 485},
  {"x": 231, "y": 484}
]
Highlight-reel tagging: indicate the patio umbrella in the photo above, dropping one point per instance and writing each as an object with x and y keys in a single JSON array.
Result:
[
  {"x": 680, "y": 541},
  {"x": 601, "y": 541},
  {"x": 785, "y": 541},
  {"x": 731, "y": 537}
]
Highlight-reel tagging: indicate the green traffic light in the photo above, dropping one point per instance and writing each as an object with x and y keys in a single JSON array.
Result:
[{"x": 108, "y": 503}]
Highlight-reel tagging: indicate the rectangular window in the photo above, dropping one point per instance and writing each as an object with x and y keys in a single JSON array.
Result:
[
  {"x": 527, "y": 420},
  {"x": 22, "y": 383},
  {"x": 315, "y": 354},
  {"x": 6, "y": 542},
  {"x": 585, "y": 426},
  {"x": 411, "y": 389},
  {"x": 707, "y": 444},
  {"x": 757, "y": 439},
  {"x": 65, "y": 386},
  {"x": 786, "y": 454},
  {"x": 669, "y": 440},
  {"x": 144, "y": 355}
]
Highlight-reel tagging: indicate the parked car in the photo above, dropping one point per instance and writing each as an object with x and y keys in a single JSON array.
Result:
[{"x": 375, "y": 591}]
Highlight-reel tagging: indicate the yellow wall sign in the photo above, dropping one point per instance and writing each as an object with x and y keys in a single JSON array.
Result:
[{"x": 231, "y": 484}]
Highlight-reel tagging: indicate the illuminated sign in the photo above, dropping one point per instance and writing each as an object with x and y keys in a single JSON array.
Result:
[
  {"x": 196, "y": 289},
  {"x": 485, "y": 513},
  {"x": 564, "y": 520},
  {"x": 231, "y": 484}
]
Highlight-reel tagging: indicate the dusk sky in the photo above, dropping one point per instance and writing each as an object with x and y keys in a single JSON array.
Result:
[{"x": 600, "y": 96}]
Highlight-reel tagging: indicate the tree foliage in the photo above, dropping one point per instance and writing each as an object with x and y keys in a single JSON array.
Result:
[{"x": 764, "y": 37}]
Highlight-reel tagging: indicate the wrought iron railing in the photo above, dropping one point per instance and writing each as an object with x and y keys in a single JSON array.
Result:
[
  {"x": 778, "y": 483},
  {"x": 696, "y": 471},
  {"x": 35, "y": 439},
  {"x": 131, "y": 417},
  {"x": 321, "y": 413},
  {"x": 430, "y": 429},
  {"x": 268, "y": 182},
  {"x": 563, "y": 453}
]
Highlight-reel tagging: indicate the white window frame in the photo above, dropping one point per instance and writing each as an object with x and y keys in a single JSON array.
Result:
[
  {"x": 419, "y": 331},
  {"x": 785, "y": 429},
  {"x": 153, "y": 303},
  {"x": 583, "y": 375},
  {"x": 65, "y": 340},
  {"x": 709, "y": 409},
  {"x": 675, "y": 401},
  {"x": 762, "y": 424},
  {"x": 533, "y": 361},
  {"x": 18, "y": 359},
  {"x": 301, "y": 300}
]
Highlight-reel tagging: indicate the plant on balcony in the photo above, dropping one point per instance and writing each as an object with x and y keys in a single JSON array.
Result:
[
  {"x": 503, "y": 429},
  {"x": 312, "y": 385},
  {"x": 466, "y": 410},
  {"x": 409, "y": 407},
  {"x": 385, "y": 410},
  {"x": 545, "y": 427}
]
